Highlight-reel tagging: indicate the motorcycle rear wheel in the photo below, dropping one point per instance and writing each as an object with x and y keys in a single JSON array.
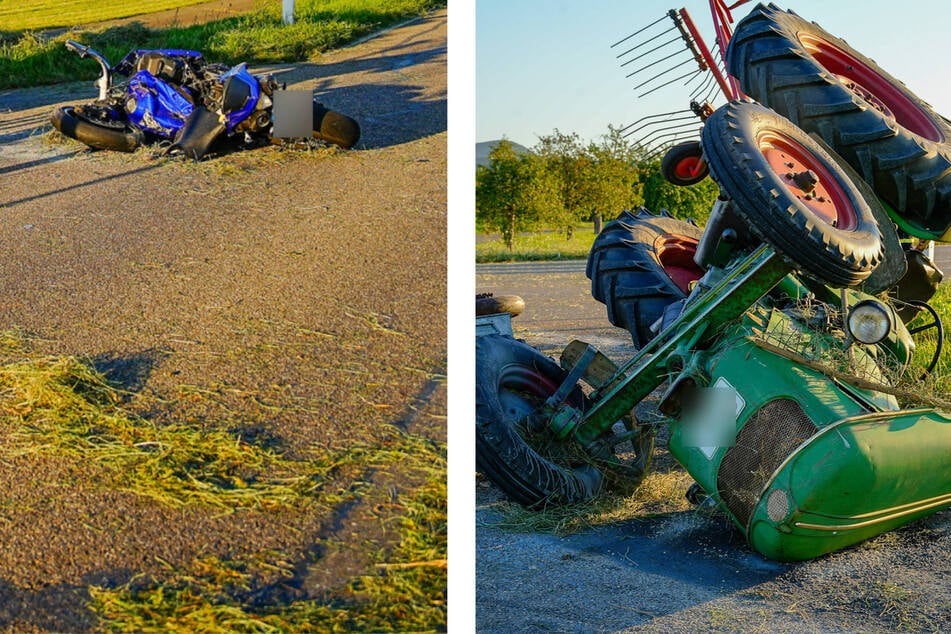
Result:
[
  {"x": 97, "y": 132},
  {"x": 334, "y": 127}
]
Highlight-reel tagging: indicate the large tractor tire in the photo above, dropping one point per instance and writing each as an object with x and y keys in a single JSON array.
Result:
[
  {"x": 792, "y": 193},
  {"x": 896, "y": 141},
  {"x": 529, "y": 465},
  {"x": 93, "y": 126},
  {"x": 640, "y": 264}
]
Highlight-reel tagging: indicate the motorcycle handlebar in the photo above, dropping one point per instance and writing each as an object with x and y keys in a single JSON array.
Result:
[
  {"x": 76, "y": 47},
  {"x": 104, "y": 83}
]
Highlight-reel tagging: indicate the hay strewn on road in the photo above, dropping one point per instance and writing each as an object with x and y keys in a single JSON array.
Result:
[{"x": 255, "y": 350}]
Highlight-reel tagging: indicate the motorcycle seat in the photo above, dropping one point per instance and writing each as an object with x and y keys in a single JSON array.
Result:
[{"x": 163, "y": 67}]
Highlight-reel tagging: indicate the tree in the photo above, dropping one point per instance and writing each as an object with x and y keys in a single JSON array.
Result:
[
  {"x": 513, "y": 192},
  {"x": 566, "y": 162},
  {"x": 612, "y": 182},
  {"x": 695, "y": 201},
  {"x": 592, "y": 179}
]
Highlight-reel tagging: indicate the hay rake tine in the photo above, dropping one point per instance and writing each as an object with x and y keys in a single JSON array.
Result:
[
  {"x": 632, "y": 49},
  {"x": 691, "y": 74},
  {"x": 648, "y": 120},
  {"x": 638, "y": 32}
]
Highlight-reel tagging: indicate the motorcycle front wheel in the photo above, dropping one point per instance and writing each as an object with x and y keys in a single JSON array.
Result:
[{"x": 98, "y": 127}]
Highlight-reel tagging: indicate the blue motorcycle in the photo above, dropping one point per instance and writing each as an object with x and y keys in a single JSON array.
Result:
[{"x": 175, "y": 97}]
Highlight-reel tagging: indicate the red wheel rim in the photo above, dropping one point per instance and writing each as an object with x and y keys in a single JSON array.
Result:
[
  {"x": 676, "y": 256},
  {"x": 797, "y": 167},
  {"x": 871, "y": 86},
  {"x": 522, "y": 389},
  {"x": 688, "y": 167}
]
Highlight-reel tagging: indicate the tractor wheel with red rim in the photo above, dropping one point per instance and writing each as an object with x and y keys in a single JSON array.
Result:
[
  {"x": 639, "y": 265},
  {"x": 792, "y": 193},
  {"x": 522, "y": 456},
  {"x": 896, "y": 141},
  {"x": 529, "y": 464},
  {"x": 683, "y": 164}
]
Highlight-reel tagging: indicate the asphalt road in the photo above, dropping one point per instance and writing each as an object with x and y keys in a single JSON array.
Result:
[
  {"x": 270, "y": 293},
  {"x": 681, "y": 571}
]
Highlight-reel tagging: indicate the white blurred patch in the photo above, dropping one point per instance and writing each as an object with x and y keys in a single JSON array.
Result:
[{"x": 709, "y": 419}]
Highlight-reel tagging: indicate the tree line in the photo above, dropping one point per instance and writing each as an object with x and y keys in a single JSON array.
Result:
[{"x": 562, "y": 181}]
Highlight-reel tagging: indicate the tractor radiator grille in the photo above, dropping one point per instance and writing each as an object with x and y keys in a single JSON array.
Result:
[{"x": 768, "y": 437}]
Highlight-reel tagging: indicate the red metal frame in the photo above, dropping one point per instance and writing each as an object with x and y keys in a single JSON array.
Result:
[{"x": 722, "y": 16}]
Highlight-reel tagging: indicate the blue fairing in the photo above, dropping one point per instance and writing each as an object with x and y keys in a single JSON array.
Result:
[
  {"x": 128, "y": 63},
  {"x": 240, "y": 72},
  {"x": 156, "y": 106}
]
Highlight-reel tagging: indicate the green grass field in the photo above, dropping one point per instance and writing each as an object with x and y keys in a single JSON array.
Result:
[
  {"x": 50, "y": 14},
  {"x": 543, "y": 245},
  {"x": 27, "y": 59}
]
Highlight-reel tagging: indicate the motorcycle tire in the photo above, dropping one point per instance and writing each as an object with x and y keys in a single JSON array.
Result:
[
  {"x": 334, "y": 127},
  {"x": 792, "y": 193},
  {"x": 896, "y": 141},
  {"x": 489, "y": 304},
  {"x": 94, "y": 132},
  {"x": 639, "y": 264}
]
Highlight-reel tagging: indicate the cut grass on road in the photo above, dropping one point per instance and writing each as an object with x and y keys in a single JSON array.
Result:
[
  {"x": 28, "y": 59},
  {"x": 63, "y": 408}
]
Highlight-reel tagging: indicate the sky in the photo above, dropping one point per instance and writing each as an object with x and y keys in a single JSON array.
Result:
[{"x": 541, "y": 66}]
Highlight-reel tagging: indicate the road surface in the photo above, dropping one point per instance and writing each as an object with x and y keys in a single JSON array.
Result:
[{"x": 290, "y": 297}]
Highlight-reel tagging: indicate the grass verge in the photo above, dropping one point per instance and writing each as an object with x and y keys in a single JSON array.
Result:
[
  {"x": 939, "y": 381},
  {"x": 545, "y": 245},
  {"x": 62, "y": 406},
  {"x": 30, "y": 59}
]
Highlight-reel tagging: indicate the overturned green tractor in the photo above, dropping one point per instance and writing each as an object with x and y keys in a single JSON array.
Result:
[{"x": 778, "y": 333}]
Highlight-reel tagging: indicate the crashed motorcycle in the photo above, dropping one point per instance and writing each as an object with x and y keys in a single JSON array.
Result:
[
  {"x": 782, "y": 332},
  {"x": 175, "y": 97}
]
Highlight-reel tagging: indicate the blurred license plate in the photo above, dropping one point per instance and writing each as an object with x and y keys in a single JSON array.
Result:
[{"x": 293, "y": 114}]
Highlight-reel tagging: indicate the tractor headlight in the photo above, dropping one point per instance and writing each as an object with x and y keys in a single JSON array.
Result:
[{"x": 869, "y": 321}]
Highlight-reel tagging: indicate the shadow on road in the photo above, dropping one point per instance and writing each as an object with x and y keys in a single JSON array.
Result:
[
  {"x": 390, "y": 113},
  {"x": 646, "y": 568},
  {"x": 133, "y": 172}
]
